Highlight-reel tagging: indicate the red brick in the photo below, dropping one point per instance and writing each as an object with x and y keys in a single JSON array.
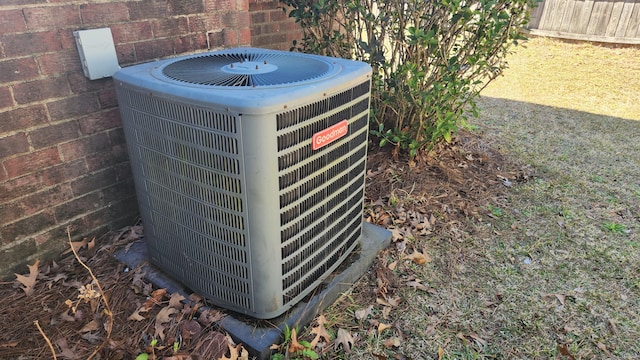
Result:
[
  {"x": 22, "y": 118},
  {"x": 229, "y": 20},
  {"x": 97, "y": 122},
  {"x": 52, "y": 17},
  {"x": 104, "y": 13},
  {"x": 216, "y": 39},
  {"x": 200, "y": 41},
  {"x": 106, "y": 159},
  {"x": 13, "y": 144},
  {"x": 31, "y": 43},
  {"x": 80, "y": 148},
  {"x": 23, "y": 2},
  {"x": 18, "y": 70},
  {"x": 34, "y": 203},
  {"x": 170, "y": 26},
  {"x": 230, "y": 37},
  {"x": 185, "y": 7},
  {"x": 62, "y": 173},
  {"x": 59, "y": 62},
  {"x": 125, "y": 209},
  {"x": 31, "y": 162},
  {"x": 256, "y": 31},
  {"x": 54, "y": 134},
  {"x": 244, "y": 37},
  {"x": 67, "y": 40},
  {"x": 10, "y": 212},
  {"x": 93, "y": 182},
  {"x": 78, "y": 206},
  {"x": 277, "y": 15},
  {"x": 148, "y": 9},
  {"x": 116, "y": 136},
  {"x": 259, "y": 17},
  {"x": 77, "y": 228},
  {"x": 81, "y": 84},
  {"x": 121, "y": 190},
  {"x": 126, "y": 53},
  {"x": 154, "y": 49},
  {"x": 219, "y": 5},
  {"x": 242, "y": 5},
  {"x": 184, "y": 44},
  {"x": 26, "y": 227},
  {"x": 6, "y": 100},
  {"x": 204, "y": 23},
  {"x": 107, "y": 98},
  {"x": 131, "y": 32},
  {"x": 123, "y": 171},
  {"x": 40, "y": 90},
  {"x": 270, "y": 28},
  {"x": 73, "y": 106},
  {"x": 15, "y": 188},
  {"x": 11, "y": 21}
]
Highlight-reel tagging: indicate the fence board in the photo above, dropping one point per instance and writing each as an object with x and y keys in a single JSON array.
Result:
[
  {"x": 614, "y": 20},
  {"x": 600, "y": 16},
  {"x": 633, "y": 30},
  {"x": 595, "y": 20}
]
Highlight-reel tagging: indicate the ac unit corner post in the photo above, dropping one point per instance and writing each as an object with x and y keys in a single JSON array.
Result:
[{"x": 237, "y": 201}]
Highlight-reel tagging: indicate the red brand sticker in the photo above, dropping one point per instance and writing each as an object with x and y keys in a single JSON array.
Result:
[{"x": 330, "y": 134}]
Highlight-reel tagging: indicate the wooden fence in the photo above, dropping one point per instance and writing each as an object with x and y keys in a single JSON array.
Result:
[{"x": 595, "y": 20}]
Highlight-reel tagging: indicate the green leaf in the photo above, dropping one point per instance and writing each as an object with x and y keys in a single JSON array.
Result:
[{"x": 144, "y": 356}]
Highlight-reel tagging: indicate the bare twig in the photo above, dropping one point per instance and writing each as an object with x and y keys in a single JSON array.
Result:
[
  {"x": 53, "y": 351},
  {"x": 104, "y": 298}
]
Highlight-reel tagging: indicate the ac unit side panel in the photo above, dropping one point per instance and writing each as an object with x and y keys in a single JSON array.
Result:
[
  {"x": 188, "y": 170},
  {"x": 321, "y": 191}
]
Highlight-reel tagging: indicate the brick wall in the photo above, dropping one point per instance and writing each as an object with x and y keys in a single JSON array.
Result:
[
  {"x": 63, "y": 159},
  {"x": 271, "y": 26}
]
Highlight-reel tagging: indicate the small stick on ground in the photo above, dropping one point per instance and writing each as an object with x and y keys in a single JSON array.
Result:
[
  {"x": 104, "y": 298},
  {"x": 53, "y": 351}
]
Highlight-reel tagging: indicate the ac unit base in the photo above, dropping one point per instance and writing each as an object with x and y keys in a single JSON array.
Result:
[{"x": 255, "y": 338}]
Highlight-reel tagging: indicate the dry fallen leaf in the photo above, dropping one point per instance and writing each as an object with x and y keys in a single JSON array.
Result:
[
  {"x": 236, "y": 352},
  {"x": 136, "y": 314},
  {"x": 418, "y": 257},
  {"x": 382, "y": 327},
  {"x": 163, "y": 317},
  {"x": 295, "y": 346},
  {"x": 155, "y": 298},
  {"x": 345, "y": 339},
  {"x": 190, "y": 329},
  {"x": 176, "y": 300},
  {"x": 29, "y": 281},
  {"x": 320, "y": 331},
  {"x": 391, "y": 342},
  {"x": 603, "y": 348},
  {"x": 564, "y": 350},
  {"x": 66, "y": 352},
  {"x": 90, "y": 326},
  {"x": 363, "y": 313}
]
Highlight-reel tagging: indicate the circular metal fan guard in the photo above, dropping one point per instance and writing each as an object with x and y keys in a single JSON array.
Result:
[{"x": 248, "y": 69}]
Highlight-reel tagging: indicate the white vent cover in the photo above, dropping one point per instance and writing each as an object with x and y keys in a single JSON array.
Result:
[{"x": 249, "y": 167}]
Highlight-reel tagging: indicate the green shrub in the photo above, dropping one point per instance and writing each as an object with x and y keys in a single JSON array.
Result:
[{"x": 430, "y": 58}]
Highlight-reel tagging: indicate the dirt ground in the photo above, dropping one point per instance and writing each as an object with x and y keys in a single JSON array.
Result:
[{"x": 456, "y": 183}]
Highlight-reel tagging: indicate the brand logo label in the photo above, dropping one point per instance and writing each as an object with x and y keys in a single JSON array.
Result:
[{"x": 330, "y": 134}]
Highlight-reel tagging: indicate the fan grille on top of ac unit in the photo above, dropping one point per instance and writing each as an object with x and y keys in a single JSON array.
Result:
[{"x": 248, "y": 69}]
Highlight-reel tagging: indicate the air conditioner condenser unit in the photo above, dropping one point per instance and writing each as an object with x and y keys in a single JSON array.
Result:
[{"x": 249, "y": 168}]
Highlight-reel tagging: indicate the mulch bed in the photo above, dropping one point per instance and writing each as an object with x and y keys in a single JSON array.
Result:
[{"x": 453, "y": 184}]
